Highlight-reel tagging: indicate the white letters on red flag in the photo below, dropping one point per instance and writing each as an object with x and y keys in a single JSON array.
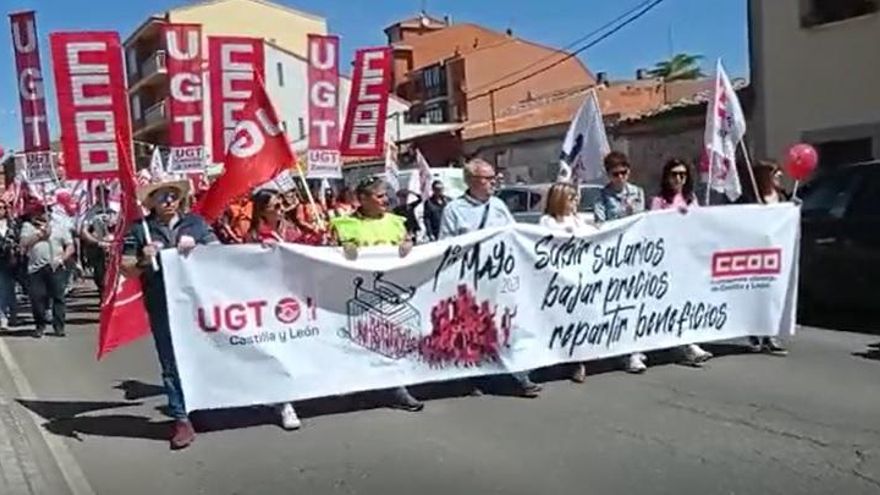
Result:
[
  {"x": 725, "y": 128},
  {"x": 236, "y": 64},
  {"x": 364, "y": 133},
  {"x": 259, "y": 151},
  {"x": 32, "y": 97},
  {"x": 92, "y": 103},
  {"x": 186, "y": 134},
  {"x": 324, "y": 159}
]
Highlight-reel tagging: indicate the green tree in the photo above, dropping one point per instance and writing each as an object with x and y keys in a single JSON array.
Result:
[{"x": 682, "y": 66}]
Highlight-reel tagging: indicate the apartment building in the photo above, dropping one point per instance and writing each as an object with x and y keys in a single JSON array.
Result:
[
  {"x": 282, "y": 27},
  {"x": 815, "y": 68}
]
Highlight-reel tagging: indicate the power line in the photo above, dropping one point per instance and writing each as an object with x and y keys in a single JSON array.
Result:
[
  {"x": 573, "y": 54},
  {"x": 569, "y": 45}
]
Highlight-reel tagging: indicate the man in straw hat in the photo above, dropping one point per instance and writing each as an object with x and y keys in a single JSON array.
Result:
[{"x": 168, "y": 225}]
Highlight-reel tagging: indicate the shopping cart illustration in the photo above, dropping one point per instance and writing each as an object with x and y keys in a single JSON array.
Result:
[{"x": 382, "y": 320}]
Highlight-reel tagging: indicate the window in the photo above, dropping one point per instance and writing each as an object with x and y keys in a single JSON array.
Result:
[
  {"x": 818, "y": 12},
  {"x": 836, "y": 153},
  {"x": 302, "y": 127},
  {"x": 434, "y": 82},
  {"x": 828, "y": 196},
  {"x": 517, "y": 200},
  {"x": 434, "y": 114},
  {"x": 866, "y": 204},
  {"x": 589, "y": 196},
  {"x": 280, "y": 68}
]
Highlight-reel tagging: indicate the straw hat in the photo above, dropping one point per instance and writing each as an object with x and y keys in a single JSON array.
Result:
[{"x": 144, "y": 192}]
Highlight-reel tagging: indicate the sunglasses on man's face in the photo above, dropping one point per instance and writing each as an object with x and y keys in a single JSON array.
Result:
[
  {"x": 166, "y": 197},
  {"x": 619, "y": 173}
]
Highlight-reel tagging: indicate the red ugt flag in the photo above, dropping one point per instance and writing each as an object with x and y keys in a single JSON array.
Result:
[
  {"x": 257, "y": 153},
  {"x": 123, "y": 317}
]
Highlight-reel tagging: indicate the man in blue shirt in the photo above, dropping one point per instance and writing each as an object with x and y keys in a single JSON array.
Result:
[
  {"x": 477, "y": 209},
  {"x": 169, "y": 227},
  {"x": 619, "y": 198}
]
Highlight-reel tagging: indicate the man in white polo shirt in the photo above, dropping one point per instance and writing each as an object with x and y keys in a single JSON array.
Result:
[{"x": 477, "y": 209}]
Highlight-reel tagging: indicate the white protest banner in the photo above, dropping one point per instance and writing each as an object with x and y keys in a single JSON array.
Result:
[{"x": 252, "y": 325}]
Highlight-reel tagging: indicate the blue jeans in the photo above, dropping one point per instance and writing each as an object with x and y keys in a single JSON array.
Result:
[
  {"x": 158, "y": 313},
  {"x": 7, "y": 294}
]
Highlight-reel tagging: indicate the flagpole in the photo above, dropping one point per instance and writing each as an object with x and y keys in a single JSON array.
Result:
[
  {"x": 751, "y": 170},
  {"x": 709, "y": 154},
  {"x": 311, "y": 199}
]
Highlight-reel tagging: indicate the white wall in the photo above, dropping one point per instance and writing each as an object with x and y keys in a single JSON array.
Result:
[
  {"x": 813, "y": 80},
  {"x": 291, "y": 97}
]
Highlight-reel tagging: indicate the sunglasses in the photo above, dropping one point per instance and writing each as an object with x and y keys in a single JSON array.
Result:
[
  {"x": 619, "y": 173},
  {"x": 680, "y": 175},
  {"x": 166, "y": 197}
]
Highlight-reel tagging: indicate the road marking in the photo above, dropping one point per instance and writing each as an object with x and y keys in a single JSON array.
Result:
[{"x": 71, "y": 471}]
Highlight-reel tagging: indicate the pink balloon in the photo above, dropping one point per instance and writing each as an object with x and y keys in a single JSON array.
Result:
[
  {"x": 801, "y": 161},
  {"x": 2, "y": 151}
]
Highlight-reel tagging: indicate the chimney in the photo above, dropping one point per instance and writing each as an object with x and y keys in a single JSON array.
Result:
[
  {"x": 602, "y": 78},
  {"x": 447, "y": 19},
  {"x": 509, "y": 32},
  {"x": 641, "y": 74}
]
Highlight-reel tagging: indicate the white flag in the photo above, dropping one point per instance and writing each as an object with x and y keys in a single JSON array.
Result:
[
  {"x": 424, "y": 174},
  {"x": 585, "y": 145},
  {"x": 392, "y": 169},
  {"x": 157, "y": 167},
  {"x": 725, "y": 128}
]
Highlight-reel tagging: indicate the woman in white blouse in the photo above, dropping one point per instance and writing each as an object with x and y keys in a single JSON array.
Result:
[{"x": 560, "y": 214}]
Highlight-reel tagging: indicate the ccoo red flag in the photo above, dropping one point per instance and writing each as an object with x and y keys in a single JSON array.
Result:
[
  {"x": 257, "y": 153},
  {"x": 123, "y": 316}
]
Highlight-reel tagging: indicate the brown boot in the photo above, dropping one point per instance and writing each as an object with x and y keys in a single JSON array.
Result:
[{"x": 182, "y": 434}]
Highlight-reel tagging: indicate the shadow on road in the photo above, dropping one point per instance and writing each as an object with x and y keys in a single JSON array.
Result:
[
  {"x": 873, "y": 352},
  {"x": 852, "y": 321},
  {"x": 136, "y": 389},
  {"x": 64, "y": 418}
]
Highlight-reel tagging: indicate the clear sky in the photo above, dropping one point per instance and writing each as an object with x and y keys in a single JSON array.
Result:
[{"x": 713, "y": 28}]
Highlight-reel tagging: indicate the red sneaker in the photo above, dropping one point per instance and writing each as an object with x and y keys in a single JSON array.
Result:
[{"x": 182, "y": 435}]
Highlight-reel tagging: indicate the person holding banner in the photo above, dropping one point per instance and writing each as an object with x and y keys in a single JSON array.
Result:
[
  {"x": 269, "y": 225},
  {"x": 166, "y": 226},
  {"x": 768, "y": 176},
  {"x": 372, "y": 225},
  {"x": 619, "y": 199},
  {"x": 49, "y": 248},
  {"x": 477, "y": 209},
  {"x": 269, "y": 228},
  {"x": 677, "y": 191},
  {"x": 560, "y": 214},
  {"x": 8, "y": 264}
]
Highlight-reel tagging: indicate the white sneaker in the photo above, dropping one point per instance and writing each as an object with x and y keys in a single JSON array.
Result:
[
  {"x": 636, "y": 363},
  {"x": 694, "y": 355},
  {"x": 289, "y": 420}
]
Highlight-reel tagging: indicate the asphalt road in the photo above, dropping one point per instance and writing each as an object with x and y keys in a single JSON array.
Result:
[{"x": 745, "y": 424}]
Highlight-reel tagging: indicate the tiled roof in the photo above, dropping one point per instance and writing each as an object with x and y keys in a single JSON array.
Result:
[
  {"x": 447, "y": 42},
  {"x": 697, "y": 99},
  {"x": 625, "y": 101}
]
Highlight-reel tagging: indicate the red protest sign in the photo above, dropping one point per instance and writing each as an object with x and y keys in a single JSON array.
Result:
[
  {"x": 92, "y": 103},
  {"x": 186, "y": 133},
  {"x": 364, "y": 133},
  {"x": 236, "y": 64}
]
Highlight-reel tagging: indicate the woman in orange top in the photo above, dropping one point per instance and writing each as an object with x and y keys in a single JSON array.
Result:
[{"x": 311, "y": 218}]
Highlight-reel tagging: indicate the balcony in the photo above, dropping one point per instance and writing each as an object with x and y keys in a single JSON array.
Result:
[
  {"x": 154, "y": 117},
  {"x": 150, "y": 71}
]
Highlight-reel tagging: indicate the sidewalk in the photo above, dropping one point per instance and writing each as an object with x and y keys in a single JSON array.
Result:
[{"x": 27, "y": 466}]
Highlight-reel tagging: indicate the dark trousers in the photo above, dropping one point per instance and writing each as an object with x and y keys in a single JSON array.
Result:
[
  {"x": 97, "y": 259},
  {"x": 47, "y": 287},
  {"x": 157, "y": 310}
]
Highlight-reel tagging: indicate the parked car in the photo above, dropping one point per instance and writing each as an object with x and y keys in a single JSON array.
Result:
[
  {"x": 840, "y": 240},
  {"x": 527, "y": 202}
]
